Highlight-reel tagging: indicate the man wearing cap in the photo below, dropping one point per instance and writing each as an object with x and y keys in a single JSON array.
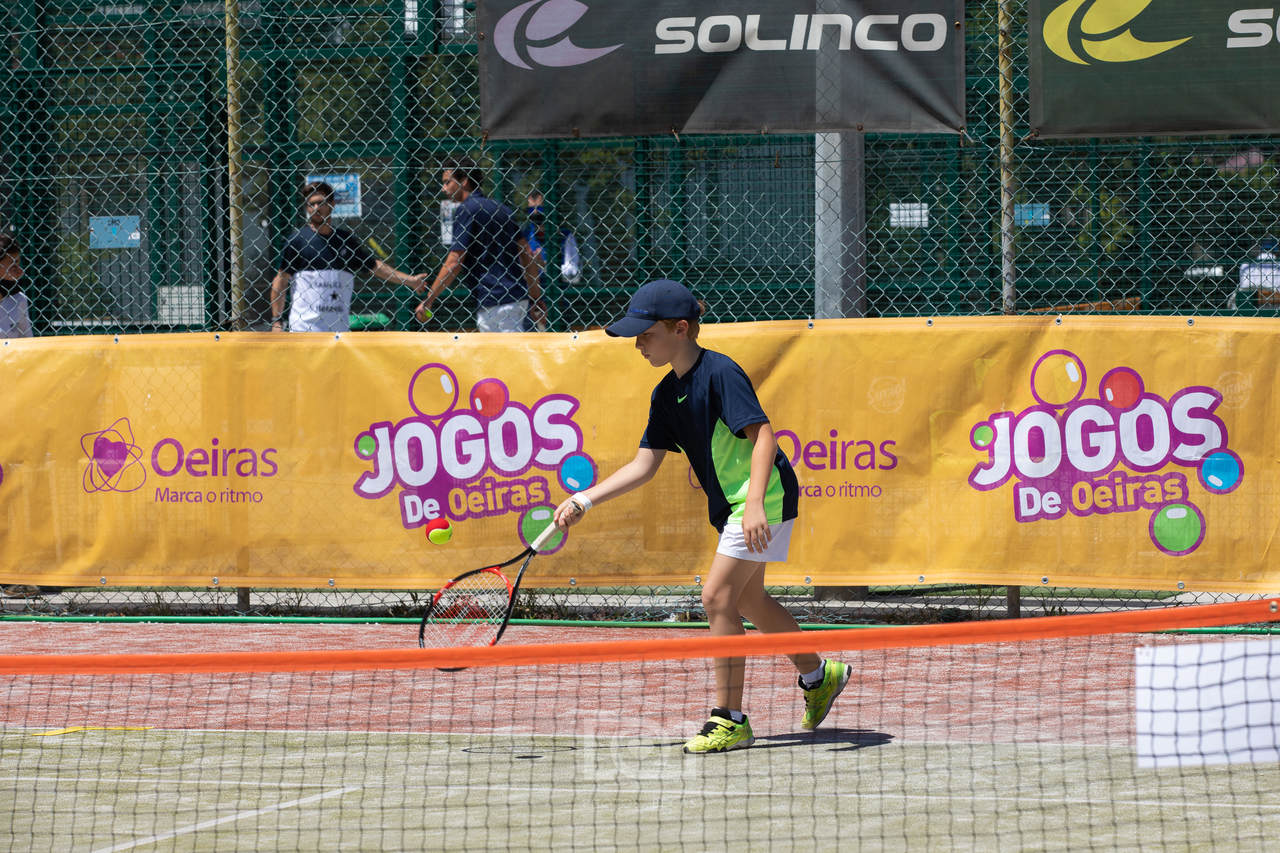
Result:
[{"x": 706, "y": 408}]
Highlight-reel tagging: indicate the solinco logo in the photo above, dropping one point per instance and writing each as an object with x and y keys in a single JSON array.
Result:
[
  {"x": 533, "y": 34},
  {"x": 539, "y": 28},
  {"x": 921, "y": 33},
  {"x": 1100, "y": 30}
]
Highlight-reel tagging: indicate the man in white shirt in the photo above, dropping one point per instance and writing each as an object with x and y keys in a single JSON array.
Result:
[
  {"x": 322, "y": 262},
  {"x": 1260, "y": 278},
  {"x": 15, "y": 312}
]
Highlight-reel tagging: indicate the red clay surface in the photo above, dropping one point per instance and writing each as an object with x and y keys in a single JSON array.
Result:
[{"x": 1074, "y": 690}]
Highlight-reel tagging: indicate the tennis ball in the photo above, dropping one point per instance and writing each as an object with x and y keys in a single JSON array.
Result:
[{"x": 439, "y": 531}]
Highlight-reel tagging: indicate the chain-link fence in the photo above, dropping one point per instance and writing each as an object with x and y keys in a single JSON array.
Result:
[
  {"x": 645, "y": 605},
  {"x": 122, "y": 122},
  {"x": 152, "y": 153}
]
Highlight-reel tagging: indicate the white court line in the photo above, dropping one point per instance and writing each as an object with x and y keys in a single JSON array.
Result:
[
  {"x": 513, "y": 734},
  {"x": 598, "y": 789},
  {"x": 643, "y": 792},
  {"x": 196, "y": 827},
  {"x": 152, "y": 780}
]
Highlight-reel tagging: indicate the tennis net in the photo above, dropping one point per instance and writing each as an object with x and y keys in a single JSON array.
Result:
[{"x": 1108, "y": 731}]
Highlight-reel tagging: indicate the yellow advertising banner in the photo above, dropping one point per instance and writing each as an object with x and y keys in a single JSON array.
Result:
[{"x": 1111, "y": 452}]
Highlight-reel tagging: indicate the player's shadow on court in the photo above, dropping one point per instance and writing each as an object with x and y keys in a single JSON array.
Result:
[{"x": 834, "y": 739}]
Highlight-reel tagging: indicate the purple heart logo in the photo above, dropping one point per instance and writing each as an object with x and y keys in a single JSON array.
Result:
[{"x": 110, "y": 455}]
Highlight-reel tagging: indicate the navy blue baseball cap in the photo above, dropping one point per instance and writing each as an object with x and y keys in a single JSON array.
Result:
[{"x": 662, "y": 299}]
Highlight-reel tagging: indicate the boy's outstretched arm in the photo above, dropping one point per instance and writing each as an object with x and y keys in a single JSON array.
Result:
[{"x": 634, "y": 474}]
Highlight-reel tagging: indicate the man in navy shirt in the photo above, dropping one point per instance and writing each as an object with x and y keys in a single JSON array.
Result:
[
  {"x": 322, "y": 261},
  {"x": 491, "y": 255}
]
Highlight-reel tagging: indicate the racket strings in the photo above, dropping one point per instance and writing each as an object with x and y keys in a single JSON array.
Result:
[{"x": 469, "y": 612}]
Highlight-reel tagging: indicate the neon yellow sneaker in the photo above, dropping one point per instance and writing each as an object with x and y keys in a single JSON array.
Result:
[
  {"x": 817, "y": 700},
  {"x": 721, "y": 734}
]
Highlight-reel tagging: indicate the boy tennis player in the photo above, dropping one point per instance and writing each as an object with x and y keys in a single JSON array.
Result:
[{"x": 707, "y": 409}]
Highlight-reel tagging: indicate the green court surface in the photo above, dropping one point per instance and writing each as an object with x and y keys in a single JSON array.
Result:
[
  {"x": 841, "y": 788},
  {"x": 1003, "y": 745}
]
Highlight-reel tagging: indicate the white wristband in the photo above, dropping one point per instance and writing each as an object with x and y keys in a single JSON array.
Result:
[{"x": 582, "y": 501}]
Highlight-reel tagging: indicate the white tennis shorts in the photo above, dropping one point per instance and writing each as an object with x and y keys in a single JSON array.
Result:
[
  {"x": 732, "y": 543},
  {"x": 503, "y": 318}
]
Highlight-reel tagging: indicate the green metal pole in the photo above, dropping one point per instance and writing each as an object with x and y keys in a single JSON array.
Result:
[
  {"x": 162, "y": 214},
  {"x": 1008, "y": 251},
  {"x": 235, "y": 204},
  {"x": 405, "y": 255}
]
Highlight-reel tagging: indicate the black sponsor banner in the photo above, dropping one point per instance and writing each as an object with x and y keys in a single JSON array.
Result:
[
  {"x": 563, "y": 68},
  {"x": 1138, "y": 67}
]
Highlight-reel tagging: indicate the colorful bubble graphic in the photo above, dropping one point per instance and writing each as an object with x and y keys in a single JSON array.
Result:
[
  {"x": 1057, "y": 378},
  {"x": 577, "y": 472},
  {"x": 1144, "y": 433},
  {"x": 489, "y": 397},
  {"x": 433, "y": 390},
  {"x": 1122, "y": 388},
  {"x": 1221, "y": 472},
  {"x": 366, "y": 445},
  {"x": 535, "y": 520},
  {"x": 1177, "y": 529}
]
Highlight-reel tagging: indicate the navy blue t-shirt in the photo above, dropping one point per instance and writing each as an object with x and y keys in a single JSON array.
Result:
[
  {"x": 308, "y": 249},
  {"x": 703, "y": 414},
  {"x": 488, "y": 234}
]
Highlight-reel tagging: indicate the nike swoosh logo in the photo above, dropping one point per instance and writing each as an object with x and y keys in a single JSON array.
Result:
[{"x": 682, "y": 399}]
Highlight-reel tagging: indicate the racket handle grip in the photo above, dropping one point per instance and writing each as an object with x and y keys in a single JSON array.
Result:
[{"x": 543, "y": 537}]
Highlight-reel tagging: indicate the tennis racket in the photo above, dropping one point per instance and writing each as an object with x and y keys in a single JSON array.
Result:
[{"x": 474, "y": 608}]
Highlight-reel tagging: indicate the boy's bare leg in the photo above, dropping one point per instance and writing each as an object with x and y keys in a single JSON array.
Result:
[
  {"x": 726, "y": 579},
  {"x": 769, "y": 616}
]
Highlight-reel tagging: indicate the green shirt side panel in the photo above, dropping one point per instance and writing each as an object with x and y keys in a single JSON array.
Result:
[{"x": 732, "y": 458}]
